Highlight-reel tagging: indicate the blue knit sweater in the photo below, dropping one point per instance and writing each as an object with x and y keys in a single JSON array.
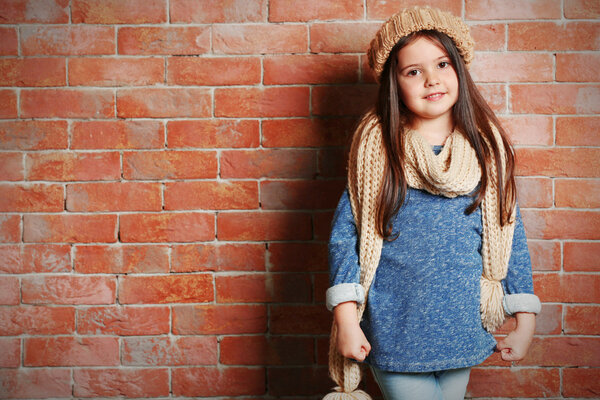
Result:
[{"x": 422, "y": 312}]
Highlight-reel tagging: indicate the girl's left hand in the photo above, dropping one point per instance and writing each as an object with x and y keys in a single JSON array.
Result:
[{"x": 514, "y": 346}]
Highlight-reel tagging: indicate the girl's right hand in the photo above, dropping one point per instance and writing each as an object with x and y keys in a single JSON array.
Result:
[{"x": 351, "y": 341}]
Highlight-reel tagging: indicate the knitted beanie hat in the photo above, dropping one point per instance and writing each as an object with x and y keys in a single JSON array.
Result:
[{"x": 416, "y": 19}]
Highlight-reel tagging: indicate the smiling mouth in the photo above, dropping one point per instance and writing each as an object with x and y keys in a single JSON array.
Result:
[{"x": 434, "y": 96}]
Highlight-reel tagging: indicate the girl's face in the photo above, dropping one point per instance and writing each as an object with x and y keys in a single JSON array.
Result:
[{"x": 427, "y": 81}]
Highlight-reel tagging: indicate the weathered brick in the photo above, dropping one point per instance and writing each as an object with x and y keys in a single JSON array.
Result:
[
  {"x": 216, "y": 381},
  {"x": 118, "y": 12},
  {"x": 129, "y": 134},
  {"x": 171, "y": 40},
  {"x": 33, "y": 383},
  {"x": 218, "y": 257},
  {"x": 259, "y": 39},
  {"x": 167, "y": 227},
  {"x": 207, "y": 11},
  {"x": 33, "y": 135},
  {"x": 114, "y": 196},
  {"x": 214, "y": 133},
  {"x": 164, "y": 103},
  {"x": 170, "y": 165},
  {"x": 219, "y": 319},
  {"x": 263, "y": 288},
  {"x": 194, "y": 288},
  {"x": 211, "y": 195},
  {"x": 37, "y": 320},
  {"x": 71, "y": 351},
  {"x": 31, "y": 198},
  {"x": 123, "y": 321},
  {"x": 148, "y": 383},
  {"x": 115, "y": 71},
  {"x": 67, "y": 103},
  {"x": 121, "y": 259},
  {"x": 69, "y": 289},
  {"x": 67, "y": 40},
  {"x": 183, "y": 350},
  {"x": 272, "y": 225},
  {"x": 44, "y": 12},
  {"x": 283, "y": 11},
  {"x": 271, "y": 163},
  {"x": 69, "y": 228},
  {"x": 513, "y": 9},
  {"x": 32, "y": 72},
  {"x": 201, "y": 71},
  {"x": 581, "y": 256},
  {"x": 262, "y": 102}
]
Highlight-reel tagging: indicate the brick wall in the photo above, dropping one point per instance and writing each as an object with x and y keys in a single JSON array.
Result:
[{"x": 169, "y": 168}]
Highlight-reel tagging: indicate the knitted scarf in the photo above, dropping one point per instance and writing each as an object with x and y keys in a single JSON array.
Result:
[{"x": 455, "y": 171}]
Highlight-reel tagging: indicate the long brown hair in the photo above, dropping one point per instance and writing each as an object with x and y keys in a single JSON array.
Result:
[{"x": 472, "y": 117}]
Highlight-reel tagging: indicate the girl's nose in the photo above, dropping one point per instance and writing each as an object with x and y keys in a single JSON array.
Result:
[{"x": 432, "y": 79}]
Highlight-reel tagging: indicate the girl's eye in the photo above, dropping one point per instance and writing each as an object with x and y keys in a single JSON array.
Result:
[
  {"x": 444, "y": 64},
  {"x": 413, "y": 72}
]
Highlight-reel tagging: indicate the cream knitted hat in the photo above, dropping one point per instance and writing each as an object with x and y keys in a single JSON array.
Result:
[{"x": 416, "y": 19}]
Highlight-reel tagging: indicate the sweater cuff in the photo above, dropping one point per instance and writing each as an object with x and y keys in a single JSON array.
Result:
[
  {"x": 521, "y": 302},
  {"x": 344, "y": 292}
]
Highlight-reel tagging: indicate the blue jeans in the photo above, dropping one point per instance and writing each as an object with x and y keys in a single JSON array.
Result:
[{"x": 450, "y": 384}]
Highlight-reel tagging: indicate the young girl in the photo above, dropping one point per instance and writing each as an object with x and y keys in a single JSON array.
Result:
[{"x": 427, "y": 250}]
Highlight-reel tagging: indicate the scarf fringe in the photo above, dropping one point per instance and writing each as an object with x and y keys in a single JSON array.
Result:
[{"x": 339, "y": 395}]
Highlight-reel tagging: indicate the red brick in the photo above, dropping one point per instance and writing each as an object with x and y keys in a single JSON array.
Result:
[
  {"x": 555, "y": 99},
  {"x": 164, "y": 103},
  {"x": 71, "y": 351},
  {"x": 264, "y": 226},
  {"x": 563, "y": 352},
  {"x": 545, "y": 255},
  {"x": 351, "y": 100},
  {"x": 35, "y": 258},
  {"x": 567, "y": 288},
  {"x": 8, "y": 104},
  {"x": 581, "y": 256},
  {"x": 562, "y": 224},
  {"x": 214, "y": 133},
  {"x": 297, "y": 257},
  {"x": 130, "y": 134},
  {"x": 167, "y": 227},
  {"x": 524, "y": 67},
  {"x": 284, "y": 11},
  {"x": 262, "y": 102},
  {"x": 67, "y": 103},
  {"x": 31, "y": 198},
  {"x": 273, "y": 163},
  {"x": 9, "y": 290},
  {"x": 581, "y": 382},
  {"x": 202, "y": 71},
  {"x": 41, "y": 258},
  {"x": 307, "y": 132},
  {"x": 489, "y": 36},
  {"x": 123, "y": 321},
  {"x": 529, "y": 129},
  {"x": 547, "y": 322},
  {"x": 513, "y": 9},
  {"x": 259, "y": 39},
  {"x": 186, "y": 350},
  {"x": 577, "y": 131},
  {"x": 333, "y": 162},
  {"x": 297, "y": 194},
  {"x": 171, "y": 40},
  {"x": 10, "y": 353},
  {"x": 260, "y": 350},
  {"x": 383, "y": 9},
  {"x": 36, "y": 320},
  {"x": 114, "y": 196},
  {"x": 25, "y": 383},
  {"x": 219, "y": 257},
  {"x": 69, "y": 228},
  {"x": 263, "y": 288},
  {"x": 121, "y": 382},
  {"x": 115, "y": 72},
  {"x": 342, "y": 37},
  {"x": 10, "y": 228},
  {"x": 495, "y": 95},
  {"x": 73, "y": 166},
  {"x": 582, "y": 9},
  {"x": 300, "y": 319},
  {"x": 32, "y": 72},
  {"x": 211, "y": 195},
  {"x": 528, "y": 382},
  {"x": 218, "y": 381},
  {"x": 315, "y": 69},
  {"x": 577, "y": 193},
  {"x": 534, "y": 192},
  {"x": 170, "y": 165},
  {"x": 33, "y": 135},
  {"x": 582, "y": 320},
  {"x": 577, "y": 67},
  {"x": 166, "y": 289},
  {"x": 121, "y": 259},
  {"x": 559, "y": 162},
  {"x": 118, "y": 12},
  {"x": 295, "y": 381},
  {"x": 320, "y": 287},
  {"x": 45, "y": 11},
  {"x": 11, "y": 166},
  {"x": 219, "y": 319},
  {"x": 68, "y": 289},
  {"x": 9, "y": 44},
  {"x": 207, "y": 11},
  {"x": 568, "y": 36},
  {"x": 67, "y": 40}
]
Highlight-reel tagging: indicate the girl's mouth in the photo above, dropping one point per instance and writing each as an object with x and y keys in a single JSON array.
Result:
[{"x": 434, "y": 96}]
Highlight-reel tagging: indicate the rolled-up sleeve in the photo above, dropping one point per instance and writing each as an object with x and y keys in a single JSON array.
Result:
[
  {"x": 344, "y": 269},
  {"x": 518, "y": 284}
]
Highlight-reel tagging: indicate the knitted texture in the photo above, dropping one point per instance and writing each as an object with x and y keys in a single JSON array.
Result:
[
  {"x": 453, "y": 172},
  {"x": 416, "y": 19}
]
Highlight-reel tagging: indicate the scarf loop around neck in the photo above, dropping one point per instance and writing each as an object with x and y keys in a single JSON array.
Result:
[{"x": 455, "y": 171}]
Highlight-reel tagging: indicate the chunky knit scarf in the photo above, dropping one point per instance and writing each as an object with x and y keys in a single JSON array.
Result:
[{"x": 453, "y": 172}]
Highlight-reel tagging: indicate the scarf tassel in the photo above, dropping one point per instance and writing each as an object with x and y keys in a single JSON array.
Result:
[{"x": 492, "y": 311}]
